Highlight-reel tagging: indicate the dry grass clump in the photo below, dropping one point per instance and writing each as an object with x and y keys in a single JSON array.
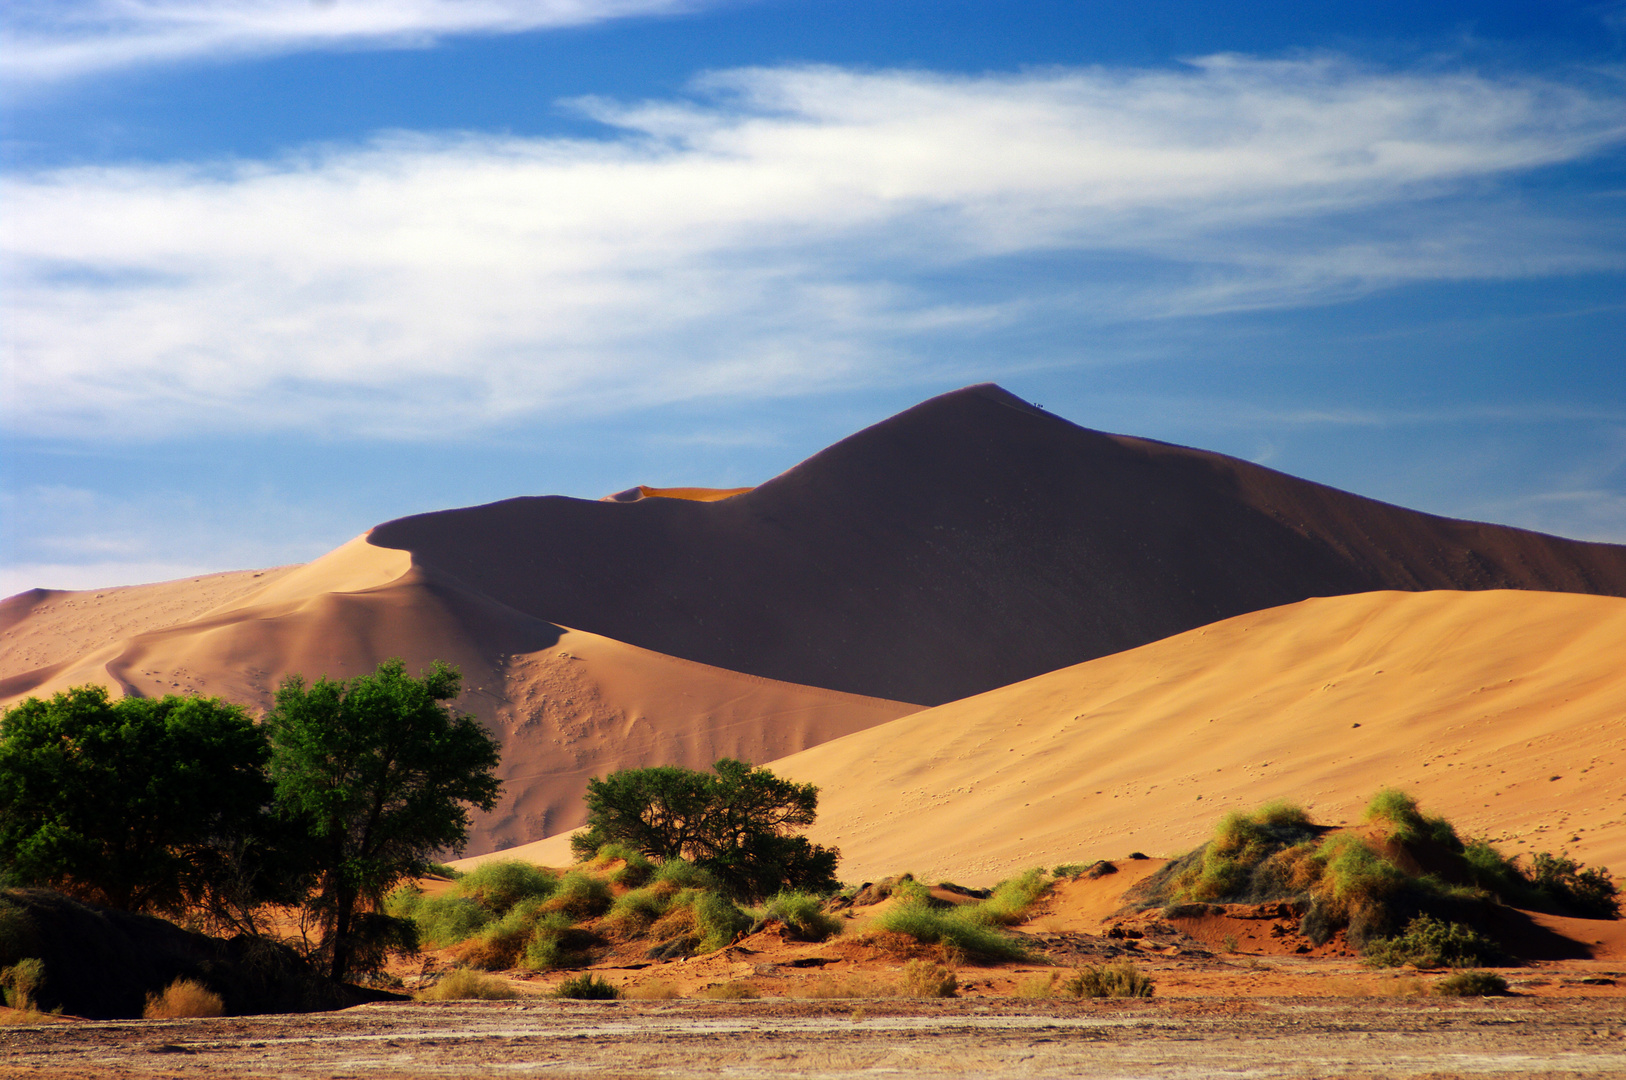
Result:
[
  {"x": 1470, "y": 984},
  {"x": 654, "y": 990},
  {"x": 1041, "y": 984},
  {"x": 184, "y": 999},
  {"x": 919, "y": 978},
  {"x": 587, "y": 987},
  {"x": 731, "y": 991},
  {"x": 922, "y": 978},
  {"x": 464, "y": 984},
  {"x": 1107, "y": 981},
  {"x": 852, "y": 984}
]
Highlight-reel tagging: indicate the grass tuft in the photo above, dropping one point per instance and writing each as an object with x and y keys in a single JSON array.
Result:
[
  {"x": 731, "y": 991},
  {"x": 1012, "y": 897},
  {"x": 1108, "y": 981},
  {"x": 1470, "y": 984},
  {"x": 184, "y": 999},
  {"x": 922, "y": 978},
  {"x": 803, "y": 914},
  {"x": 961, "y": 929},
  {"x": 498, "y": 886},
  {"x": 462, "y": 984},
  {"x": 587, "y": 987}
]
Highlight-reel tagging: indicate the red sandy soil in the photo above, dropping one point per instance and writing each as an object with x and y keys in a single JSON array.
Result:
[
  {"x": 1503, "y": 711},
  {"x": 965, "y": 544}
]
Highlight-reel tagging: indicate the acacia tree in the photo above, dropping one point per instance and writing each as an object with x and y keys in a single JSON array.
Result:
[
  {"x": 738, "y": 822},
  {"x": 380, "y": 773},
  {"x": 146, "y": 804}
]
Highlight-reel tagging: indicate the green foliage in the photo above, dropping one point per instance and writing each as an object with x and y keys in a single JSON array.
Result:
[
  {"x": 1407, "y": 824},
  {"x": 1246, "y": 859},
  {"x": 1107, "y": 981},
  {"x": 499, "y": 885},
  {"x": 635, "y": 869},
  {"x": 1012, "y": 898},
  {"x": 802, "y": 914},
  {"x": 959, "y": 928},
  {"x": 461, "y": 984},
  {"x": 684, "y": 874},
  {"x": 143, "y": 804},
  {"x": 587, "y": 987},
  {"x": 580, "y": 895},
  {"x": 380, "y": 774},
  {"x": 1431, "y": 942},
  {"x": 737, "y": 822},
  {"x": 556, "y": 942},
  {"x": 441, "y": 920},
  {"x": 1470, "y": 984},
  {"x": 1592, "y": 893},
  {"x": 718, "y": 919}
]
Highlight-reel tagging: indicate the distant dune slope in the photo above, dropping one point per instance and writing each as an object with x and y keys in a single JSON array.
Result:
[
  {"x": 565, "y": 704},
  {"x": 1506, "y": 711},
  {"x": 967, "y": 543}
]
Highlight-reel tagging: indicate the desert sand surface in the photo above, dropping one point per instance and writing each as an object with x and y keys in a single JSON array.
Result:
[
  {"x": 1265, "y": 1037},
  {"x": 970, "y": 542},
  {"x": 1504, "y": 711},
  {"x": 565, "y": 704}
]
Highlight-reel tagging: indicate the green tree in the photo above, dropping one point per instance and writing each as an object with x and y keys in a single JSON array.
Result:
[
  {"x": 738, "y": 822},
  {"x": 380, "y": 773},
  {"x": 141, "y": 803}
]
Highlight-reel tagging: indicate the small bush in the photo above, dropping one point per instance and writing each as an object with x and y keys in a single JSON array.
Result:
[
  {"x": 498, "y": 886},
  {"x": 442, "y": 920},
  {"x": 922, "y": 978},
  {"x": 1407, "y": 824},
  {"x": 21, "y": 982},
  {"x": 556, "y": 942},
  {"x": 1039, "y": 985},
  {"x": 803, "y": 914},
  {"x": 184, "y": 999},
  {"x": 1592, "y": 893},
  {"x": 1012, "y": 897},
  {"x": 461, "y": 984},
  {"x": 684, "y": 875},
  {"x": 635, "y": 911},
  {"x": 1245, "y": 858},
  {"x": 1429, "y": 942},
  {"x": 1108, "y": 981},
  {"x": 1470, "y": 984},
  {"x": 731, "y": 991},
  {"x": 635, "y": 869},
  {"x": 579, "y": 895},
  {"x": 960, "y": 929},
  {"x": 587, "y": 987}
]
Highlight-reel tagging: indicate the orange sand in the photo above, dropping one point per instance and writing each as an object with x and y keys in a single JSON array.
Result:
[{"x": 1506, "y": 711}]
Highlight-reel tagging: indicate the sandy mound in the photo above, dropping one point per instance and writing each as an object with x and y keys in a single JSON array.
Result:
[
  {"x": 566, "y": 704},
  {"x": 965, "y": 544},
  {"x": 1505, "y": 711}
]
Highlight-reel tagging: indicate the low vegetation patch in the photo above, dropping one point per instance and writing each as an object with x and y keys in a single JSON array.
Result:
[
  {"x": 1428, "y": 942},
  {"x": 463, "y": 984},
  {"x": 1107, "y": 981},
  {"x": 802, "y": 914},
  {"x": 184, "y": 999},
  {"x": 1470, "y": 984},
  {"x": 922, "y": 978},
  {"x": 965, "y": 930},
  {"x": 731, "y": 991},
  {"x": 20, "y": 984},
  {"x": 587, "y": 987}
]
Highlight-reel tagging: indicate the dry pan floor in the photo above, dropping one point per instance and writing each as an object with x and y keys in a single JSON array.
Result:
[{"x": 1231, "y": 1037}]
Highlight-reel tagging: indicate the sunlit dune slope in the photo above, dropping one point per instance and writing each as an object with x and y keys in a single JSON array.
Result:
[
  {"x": 565, "y": 704},
  {"x": 967, "y": 543},
  {"x": 1506, "y": 711},
  {"x": 693, "y": 494}
]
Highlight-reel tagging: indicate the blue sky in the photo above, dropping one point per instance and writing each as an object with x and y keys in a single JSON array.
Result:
[{"x": 274, "y": 271}]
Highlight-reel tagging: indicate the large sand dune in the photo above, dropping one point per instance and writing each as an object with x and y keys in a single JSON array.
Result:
[
  {"x": 565, "y": 704},
  {"x": 965, "y": 544},
  {"x": 1506, "y": 711}
]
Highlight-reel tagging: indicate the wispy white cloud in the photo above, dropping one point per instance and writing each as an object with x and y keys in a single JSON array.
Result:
[
  {"x": 50, "y": 40},
  {"x": 779, "y": 231}
]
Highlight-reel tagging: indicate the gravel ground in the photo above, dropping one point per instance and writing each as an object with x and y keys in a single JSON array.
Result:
[{"x": 1241, "y": 1037}]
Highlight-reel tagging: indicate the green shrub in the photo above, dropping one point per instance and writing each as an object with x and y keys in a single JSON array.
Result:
[
  {"x": 803, "y": 914},
  {"x": 1470, "y": 984},
  {"x": 498, "y": 886},
  {"x": 636, "y": 911},
  {"x": 441, "y": 920},
  {"x": 580, "y": 895},
  {"x": 683, "y": 874},
  {"x": 718, "y": 919},
  {"x": 1407, "y": 824},
  {"x": 1106, "y": 981},
  {"x": 1592, "y": 893},
  {"x": 960, "y": 929},
  {"x": 461, "y": 984},
  {"x": 1244, "y": 860},
  {"x": 635, "y": 869},
  {"x": 1012, "y": 897},
  {"x": 1357, "y": 884},
  {"x": 1429, "y": 942},
  {"x": 556, "y": 942},
  {"x": 587, "y": 987},
  {"x": 500, "y": 945}
]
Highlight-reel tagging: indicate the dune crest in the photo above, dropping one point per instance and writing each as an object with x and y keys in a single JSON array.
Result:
[{"x": 1505, "y": 711}]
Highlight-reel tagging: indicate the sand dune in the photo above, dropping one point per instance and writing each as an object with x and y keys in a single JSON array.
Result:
[
  {"x": 565, "y": 704},
  {"x": 692, "y": 494},
  {"x": 965, "y": 544},
  {"x": 1506, "y": 711}
]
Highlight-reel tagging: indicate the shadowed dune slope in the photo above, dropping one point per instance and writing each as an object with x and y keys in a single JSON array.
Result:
[
  {"x": 1505, "y": 711},
  {"x": 565, "y": 704},
  {"x": 965, "y": 544}
]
